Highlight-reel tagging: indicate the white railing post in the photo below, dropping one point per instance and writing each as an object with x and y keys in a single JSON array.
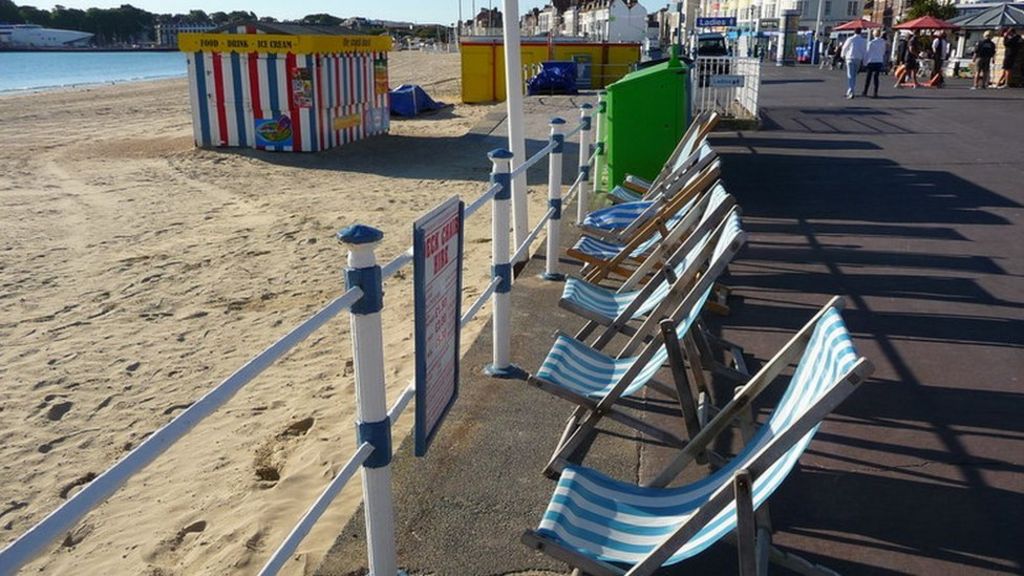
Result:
[
  {"x": 373, "y": 425},
  {"x": 501, "y": 268},
  {"x": 602, "y": 111},
  {"x": 555, "y": 200},
  {"x": 583, "y": 193}
]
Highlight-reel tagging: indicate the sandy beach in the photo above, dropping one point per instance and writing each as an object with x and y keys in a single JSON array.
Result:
[{"x": 137, "y": 272}]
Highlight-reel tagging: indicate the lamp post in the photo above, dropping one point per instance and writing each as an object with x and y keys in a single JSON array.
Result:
[{"x": 816, "y": 54}]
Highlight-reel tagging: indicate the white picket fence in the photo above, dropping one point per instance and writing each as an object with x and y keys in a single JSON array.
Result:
[
  {"x": 363, "y": 298},
  {"x": 714, "y": 86}
]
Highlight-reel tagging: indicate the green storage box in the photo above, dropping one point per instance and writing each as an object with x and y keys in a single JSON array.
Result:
[{"x": 647, "y": 112}]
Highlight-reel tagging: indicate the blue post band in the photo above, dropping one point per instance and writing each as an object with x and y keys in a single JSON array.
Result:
[
  {"x": 369, "y": 280},
  {"x": 585, "y": 121},
  {"x": 556, "y": 203},
  {"x": 505, "y": 181},
  {"x": 504, "y": 271},
  {"x": 559, "y": 140},
  {"x": 378, "y": 434},
  {"x": 585, "y": 170}
]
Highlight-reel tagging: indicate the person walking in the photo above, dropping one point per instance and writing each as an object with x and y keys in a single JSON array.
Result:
[
  {"x": 940, "y": 51},
  {"x": 854, "y": 50},
  {"x": 984, "y": 51},
  {"x": 1012, "y": 46},
  {"x": 874, "y": 59}
]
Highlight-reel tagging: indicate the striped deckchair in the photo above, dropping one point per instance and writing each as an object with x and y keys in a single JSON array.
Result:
[
  {"x": 624, "y": 219},
  {"x": 596, "y": 382},
  {"x": 615, "y": 308},
  {"x": 657, "y": 236},
  {"x": 607, "y": 527},
  {"x": 694, "y": 136}
]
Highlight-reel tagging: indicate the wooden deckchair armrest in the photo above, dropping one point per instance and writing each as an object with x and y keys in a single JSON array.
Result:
[
  {"x": 636, "y": 184},
  {"x": 747, "y": 393},
  {"x": 600, "y": 233}
]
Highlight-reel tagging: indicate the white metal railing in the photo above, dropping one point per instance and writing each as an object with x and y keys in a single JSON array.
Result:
[
  {"x": 363, "y": 299},
  {"x": 715, "y": 86}
]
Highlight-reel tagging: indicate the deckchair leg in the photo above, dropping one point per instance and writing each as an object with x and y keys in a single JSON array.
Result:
[
  {"x": 570, "y": 425},
  {"x": 746, "y": 525},
  {"x": 684, "y": 395},
  {"x": 745, "y": 418},
  {"x": 762, "y": 550},
  {"x": 696, "y": 371}
]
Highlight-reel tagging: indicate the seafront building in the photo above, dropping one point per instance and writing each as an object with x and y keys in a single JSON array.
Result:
[{"x": 167, "y": 33}]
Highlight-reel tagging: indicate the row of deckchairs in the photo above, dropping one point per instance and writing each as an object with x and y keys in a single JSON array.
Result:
[{"x": 650, "y": 266}]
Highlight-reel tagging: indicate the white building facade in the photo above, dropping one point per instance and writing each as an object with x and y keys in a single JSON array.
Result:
[{"x": 611, "y": 20}]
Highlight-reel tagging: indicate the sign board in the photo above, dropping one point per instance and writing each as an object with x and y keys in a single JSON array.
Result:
[
  {"x": 728, "y": 21},
  {"x": 437, "y": 296},
  {"x": 727, "y": 81},
  {"x": 769, "y": 24},
  {"x": 281, "y": 43}
]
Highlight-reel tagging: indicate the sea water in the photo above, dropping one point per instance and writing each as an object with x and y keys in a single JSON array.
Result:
[{"x": 44, "y": 70}]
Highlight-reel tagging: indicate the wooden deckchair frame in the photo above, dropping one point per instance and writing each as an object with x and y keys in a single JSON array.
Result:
[
  {"x": 583, "y": 422},
  {"x": 693, "y": 166},
  {"x": 753, "y": 531},
  {"x": 597, "y": 269},
  {"x": 695, "y": 225}
]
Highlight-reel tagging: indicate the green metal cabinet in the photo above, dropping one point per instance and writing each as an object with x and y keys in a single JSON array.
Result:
[{"x": 647, "y": 112}]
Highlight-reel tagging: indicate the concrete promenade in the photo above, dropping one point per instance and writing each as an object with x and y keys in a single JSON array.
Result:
[{"x": 910, "y": 205}]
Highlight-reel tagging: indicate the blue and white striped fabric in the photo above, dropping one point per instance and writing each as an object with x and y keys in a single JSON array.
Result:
[
  {"x": 617, "y": 216},
  {"x": 617, "y": 522},
  {"x": 609, "y": 304},
  {"x": 626, "y": 195},
  {"x": 607, "y": 249},
  {"x": 588, "y": 372}
]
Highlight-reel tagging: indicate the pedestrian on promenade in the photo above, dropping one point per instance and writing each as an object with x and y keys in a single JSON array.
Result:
[
  {"x": 874, "y": 59},
  {"x": 1012, "y": 47},
  {"x": 984, "y": 51},
  {"x": 940, "y": 51},
  {"x": 854, "y": 50}
]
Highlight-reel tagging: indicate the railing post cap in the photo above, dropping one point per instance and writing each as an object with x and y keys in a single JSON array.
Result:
[
  {"x": 556, "y": 121},
  {"x": 499, "y": 154},
  {"x": 359, "y": 234},
  {"x": 586, "y": 106}
]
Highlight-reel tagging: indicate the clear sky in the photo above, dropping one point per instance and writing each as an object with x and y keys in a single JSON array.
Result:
[{"x": 428, "y": 11}]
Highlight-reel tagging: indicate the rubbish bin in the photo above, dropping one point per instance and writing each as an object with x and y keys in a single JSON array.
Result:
[{"x": 647, "y": 112}]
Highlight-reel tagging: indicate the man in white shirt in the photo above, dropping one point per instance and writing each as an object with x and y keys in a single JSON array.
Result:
[
  {"x": 874, "y": 60},
  {"x": 854, "y": 50}
]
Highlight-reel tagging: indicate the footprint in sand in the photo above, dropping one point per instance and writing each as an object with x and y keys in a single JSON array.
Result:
[
  {"x": 65, "y": 492},
  {"x": 194, "y": 528},
  {"x": 57, "y": 411},
  {"x": 270, "y": 457}
]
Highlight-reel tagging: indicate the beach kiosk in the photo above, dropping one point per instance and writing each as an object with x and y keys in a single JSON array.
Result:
[
  {"x": 286, "y": 87},
  {"x": 597, "y": 63}
]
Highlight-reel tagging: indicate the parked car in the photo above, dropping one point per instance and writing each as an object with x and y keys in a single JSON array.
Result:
[{"x": 711, "y": 45}]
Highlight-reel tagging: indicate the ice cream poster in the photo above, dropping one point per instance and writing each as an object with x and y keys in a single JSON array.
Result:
[{"x": 273, "y": 132}]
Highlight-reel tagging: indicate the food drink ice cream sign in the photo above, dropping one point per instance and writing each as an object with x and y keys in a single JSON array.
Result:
[{"x": 437, "y": 287}]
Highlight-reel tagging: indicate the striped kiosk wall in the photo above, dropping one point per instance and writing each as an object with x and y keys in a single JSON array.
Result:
[{"x": 287, "y": 102}]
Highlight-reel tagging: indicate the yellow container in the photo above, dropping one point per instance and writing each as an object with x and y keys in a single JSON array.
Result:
[{"x": 483, "y": 68}]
